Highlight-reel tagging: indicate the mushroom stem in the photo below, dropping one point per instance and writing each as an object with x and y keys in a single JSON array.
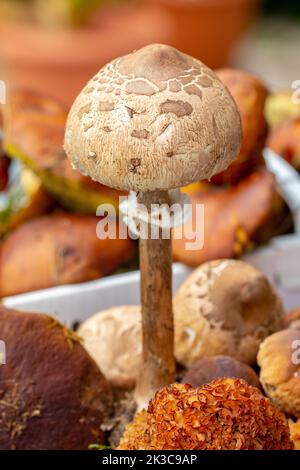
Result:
[{"x": 158, "y": 368}]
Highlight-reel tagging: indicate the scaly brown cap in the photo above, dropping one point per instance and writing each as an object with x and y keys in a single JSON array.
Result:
[{"x": 156, "y": 119}]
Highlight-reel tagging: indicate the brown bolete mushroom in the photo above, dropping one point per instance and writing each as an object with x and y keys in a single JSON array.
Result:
[
  {"x": 237, "y": 218},
  {"x": 153, "y": 121},
  {"x": 292, "y": 319},
  {"x": 250, "y": 94},
  {"x": 285, "y": 141},
  {"x": 48, "y": 251},
  {"x": 211, "y": 368},
  {"x": 52, "y": 394},
  {"x": 34, "y": 130}
]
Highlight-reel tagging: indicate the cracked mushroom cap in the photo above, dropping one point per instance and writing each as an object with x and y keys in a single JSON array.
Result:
[
  {"x": 52, "y": 394},
  {"x": 156, "y": 119},
  {"x": 225, "y": 307},
  {"x": 113, "y": 338},
  {"x": 279, "y": 361}
]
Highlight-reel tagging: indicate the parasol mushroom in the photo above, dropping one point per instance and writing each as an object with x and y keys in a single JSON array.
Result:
[{"x": 150, "y": 122}]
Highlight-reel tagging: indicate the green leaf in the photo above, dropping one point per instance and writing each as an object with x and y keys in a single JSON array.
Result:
[{"x": 98, "y": 447}]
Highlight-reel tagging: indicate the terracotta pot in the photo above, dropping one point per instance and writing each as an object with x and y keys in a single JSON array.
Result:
[
  {"x": 59, "y": 62},
  {"x": 208, "y": 29}
]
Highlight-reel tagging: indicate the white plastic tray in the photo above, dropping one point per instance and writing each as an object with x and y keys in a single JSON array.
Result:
[{"x": 279, "y": 261}]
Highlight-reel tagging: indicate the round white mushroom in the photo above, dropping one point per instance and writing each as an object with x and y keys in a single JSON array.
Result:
[{"x": 113, "y": 338}]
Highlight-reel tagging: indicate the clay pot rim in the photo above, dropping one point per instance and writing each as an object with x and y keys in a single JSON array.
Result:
[
  {"x": 192, "y": 4},
  {"x": 101, "y": 31}
]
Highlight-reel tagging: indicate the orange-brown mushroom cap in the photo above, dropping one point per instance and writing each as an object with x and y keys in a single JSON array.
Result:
[
  {"x": 58, "y": 249},
  {"x": 52, "y": 394},
  {"x": 236, "y": 217},
  {"x": 250, "y": 94}
]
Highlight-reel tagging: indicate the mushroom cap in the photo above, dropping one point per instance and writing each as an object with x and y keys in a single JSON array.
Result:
[
  {"x": 285, "y": 141},
  {"x": 292, "y": 319},
  {"x": 225, "y": 307},
  {"x": 210, "y": 368},
  {"x": 236, "y": 219},
  {"x": 113, "y": 338},
  {"x": 34, "y": 134},
  {"x": 49, "y": 251},
  {"x": 227, "y": 414},
  {"x": 156, "y": 119},
  {"x": 249, "y": 93},
  {"x": 279, "y": 360},
  {"x": 52, "y": 394}
]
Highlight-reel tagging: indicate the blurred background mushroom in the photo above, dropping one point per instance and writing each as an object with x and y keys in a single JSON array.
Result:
[
  {"x": 34, "y": 130},
  {"x": 249, "y": 93},
  {"x": 292, "y": 319},
  {"x": 285, "y": 141},
  {"x": 243, "y": 205},
  {"x": 57, "y": 249}
]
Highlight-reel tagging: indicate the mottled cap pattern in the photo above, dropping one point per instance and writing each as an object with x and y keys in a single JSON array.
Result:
[{"x": 156, "y": 119}]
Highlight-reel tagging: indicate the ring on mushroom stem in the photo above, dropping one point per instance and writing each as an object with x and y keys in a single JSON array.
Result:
[
  {"x": 155, "y": 120},
  {"x": 162, "y": 217}
]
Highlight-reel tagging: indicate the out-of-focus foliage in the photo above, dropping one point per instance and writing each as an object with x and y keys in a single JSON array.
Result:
[
  {"x": 54, "y": 12},
  {"x": 64, "y": 12},
  {"x": 282, "y": 6}
]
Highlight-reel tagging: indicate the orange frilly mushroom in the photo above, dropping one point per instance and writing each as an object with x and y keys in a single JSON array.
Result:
[{"x": 227, "y": 414}]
